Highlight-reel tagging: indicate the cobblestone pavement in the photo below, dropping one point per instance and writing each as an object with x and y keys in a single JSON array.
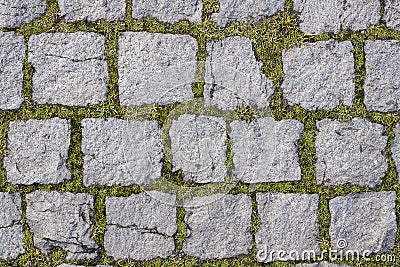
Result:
[{"x": 199, "y": 133}]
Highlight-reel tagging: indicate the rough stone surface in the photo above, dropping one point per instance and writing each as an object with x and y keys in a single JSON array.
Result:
[
  {"x": 219, "y": 229},
  {"x": 156, "y": 68},
  {"x": 319, "y": 75},
  {"x": 198, "y": 147},
  {"x": 13, "y": 13},
  {"x": 365, "y": 221},
  {"x": 170, "y": 11},
  {"x": 396, "y": 148},
  {"x": 62, "y": 220},
  {"x": 70, "y": 68},
  {"x": 319, "y": 16},
  {"x": 140, "y": 227},
  {"x": 92, "y": 10},
  {"x": 122, "y": 152},
  {"x": 234, "y": 77},
  {"x": 320, "y": 264},
  {"x": 392, "y": 14},
  {"x": 350, "y": 152},
  {"x": 69, "y": 265},
  {"x": 265, "y": 150},
  {"x": 246, "y": 11},
  {"x": 12, "y": 53},
  {"x": 38, "y": 151},
  {"x": 382, "y": 81},
  {"x": 11, "y": 234},
  {"x": 287, "y": 222}
]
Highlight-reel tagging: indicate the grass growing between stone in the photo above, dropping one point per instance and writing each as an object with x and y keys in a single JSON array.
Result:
[{"x": 269, "y": 39}]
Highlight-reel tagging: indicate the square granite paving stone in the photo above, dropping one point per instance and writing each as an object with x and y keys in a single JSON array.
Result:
[
  {"x": 198, "y": 147},
  {"x": 14, "y": 13},
  {"x": 12, "y": 53},
  {"x": 218, "y": 226},
  {"x": 233, "y": 77},
  {"x": 246, "y": 11},
  {"x": 392, "y": 14},
  {"x": 121, "y": 152},
  {"x": 382, "y": 81},
  {"x": 363, "y": 221},
  {"x": 170, "y": 11},
  {"x": 288, "y": 222},
  {"x": 11, "y": 232},
  {"x": 266, "y": 150},
  {"x": 156, "y": 68},
  {"x": 70, "y": 68},
  {"x": 37, "y": 151},
  {"x": 92, "y": 10},
  {"x": 62, "y": 220},
  {"x": 319, "y": 75},
  {"x": 320, "y": 16},
  {"x": 141, "y": 226},
  {"x": 350, "y": 153}
]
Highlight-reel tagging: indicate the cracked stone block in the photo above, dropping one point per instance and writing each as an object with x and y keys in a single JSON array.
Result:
[
  {"x": 156, "y": 68},
  {"x": 70, "y": 68},
  {"x": 319, "y": 16},
  {"x": 234, "y": 77},
  {"x": 92, "y": 10},
  {"x": 37, "y": 151},
  {"x": 350, "y": 153},
  {"x": 170, "y": 11},
  {"x": 198, "y": 147},
  {"x": 320, "y": 264},
  {"x": 364, "y": 221},
  {"x": 319, "y": 75},
  {"x": 141, "y": 226},
  {"x": 11, "y": 233},
  {"x": 62, "y": 220},
  {"x": 392, "y": 14},
  {"x": 218, "y": 226},
  {"x": 122, "y": 152},
  {"x": 265, "y": 150},
  {"x": 13, "y": 13},
  {"x": 288, "y": 222},
  {"x": 246, "y": 11},
  {"x": 12, "y": 53},
  {"x": 382, "y": 82}
]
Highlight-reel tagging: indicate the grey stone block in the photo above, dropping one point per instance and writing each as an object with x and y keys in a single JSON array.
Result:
[
  {"x": 395, "y": 149},
  {"x": 122, "y": 152},
  {"x": 12, "y": 53},
  {"x": 156, "y": 68},
  {"x": 92, "y": 10},
  {"x": 234, "y": 77},
  {"x": 11, "y": 234},
  {"x": 38, "y": 151},
  {"x": 382, "y": 81},
  {"x": 62, "y": 220},
  {"x": 246, "y": 11},
  {"x": 140, "y": 227},
  {"x": 198, "y": 147},
  {"x": 319, "y": 75},
  {"x": 170, "y": 11},
  {"x": 319, "y": 16},
  {"x": 350, "y": 152},
  {"x": 288, "y": 222},
  {"x": 218, "y": 226},
  {"x": 392, "y": 14},
  {"x": 13, "y": 13},
  {"x": 265, "y": 150},
  {"x": 70, "y": 68},
  {"x": 320, "y": 264},
  {"x": 365, "y": 221}
]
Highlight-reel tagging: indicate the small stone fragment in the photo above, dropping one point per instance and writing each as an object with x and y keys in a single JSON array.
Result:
[
  {"x": 234, "y": 77},
  {"x": 89, "y": 10},
  {"x": 219, "y": 229},
  {"x": 62, "y": 220},
  {"x": 198, "y": 147},
  {"x": 13, "y": 13},
  {"x": 350, "y": 153},
  {"x": 365, "y": 221},
  {"x": 319, "y": 75},
  {"x": 38, "y": 151}
]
